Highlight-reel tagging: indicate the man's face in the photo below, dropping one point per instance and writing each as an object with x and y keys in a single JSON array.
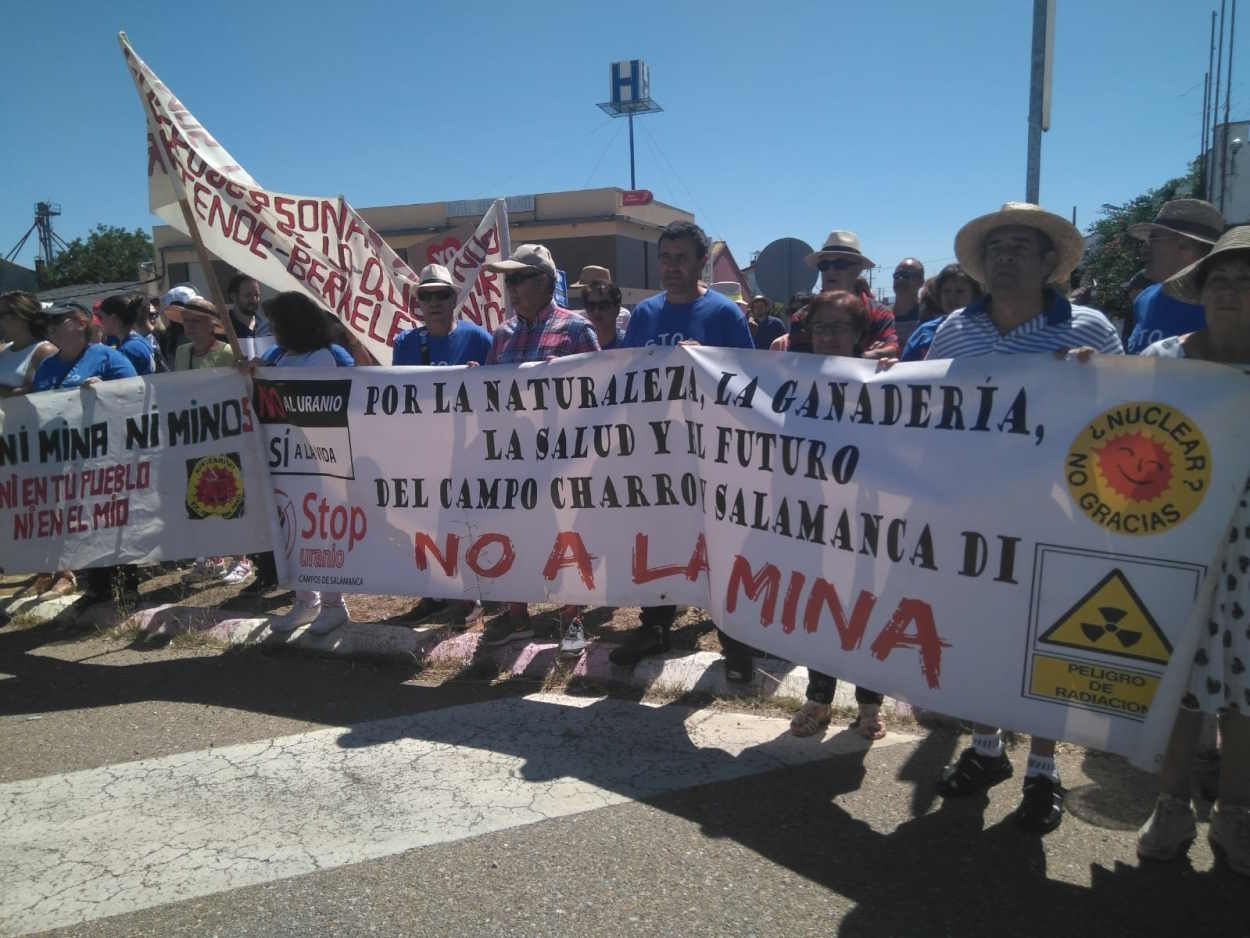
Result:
[
  {"x": 438, "y": 304},
  {"x": 680, "y": 265},
  {"x": 529, "y": 290},
  {"x": 1226, "y": 295},
  {"x": 760, "y": 309},
  {"x": 956, "y": 293},
  {"x": 68, "y": 332},
  {"x": 1167, "y": 252},
  {"x": 839, "y": 272},
  {"x": 248, "y": 298},
  {"x": 908, "y": 277},
  {"x": 1016, "y": 260}
]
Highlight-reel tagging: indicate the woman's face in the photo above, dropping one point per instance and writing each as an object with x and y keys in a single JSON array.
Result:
[
  {"x": 956, "y": 293},
  {"x": 833, "y": 332},
  {"x": 1226, "y": 296},
  {"x": 199, "y": 329}
]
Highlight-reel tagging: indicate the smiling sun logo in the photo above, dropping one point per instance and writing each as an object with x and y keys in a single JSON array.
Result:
[{"x": 1139, "y": 468}]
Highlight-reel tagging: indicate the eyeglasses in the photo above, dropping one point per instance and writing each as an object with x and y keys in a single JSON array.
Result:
[
  {"x": 840, "y": 264},
  {"x": 521, "y": 276},
  {"x": 601, "y": 304},
  {"x": 435, "y": 294},
  {"x": 829, "y": 328}
]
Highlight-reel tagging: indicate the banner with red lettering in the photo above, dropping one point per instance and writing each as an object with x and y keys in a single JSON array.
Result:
[
  {"x": 480, "y": 292},
  {"x": 132, "y": 471},
  {"x": 318, "y": 245}
]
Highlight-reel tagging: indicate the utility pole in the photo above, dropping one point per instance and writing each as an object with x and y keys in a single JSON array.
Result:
[
  {"x": 1206, "y": 110},
  {"x": 1228, "y": 93},
  {"x": 1215, "y": 111},
  {"x": 1039, "y": 93}
]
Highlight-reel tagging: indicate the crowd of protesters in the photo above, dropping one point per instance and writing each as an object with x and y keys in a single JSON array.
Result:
[{"x": 1008, "y": 294}]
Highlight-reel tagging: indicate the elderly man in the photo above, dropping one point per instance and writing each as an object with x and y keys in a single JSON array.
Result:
[
  {"x": 1020, "y": 253},
  {"x": 840, "y": 263},
  {"x": 686, "y": 313},
  {"x": 908, "y": 279},
  {"x": 1181, "y": 234},
  {"x": 539, "y": 331},
  {"x": 441, "y": 339}
]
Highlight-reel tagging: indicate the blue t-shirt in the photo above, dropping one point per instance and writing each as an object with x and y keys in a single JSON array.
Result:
[
  {"x": 329, "y": 356},
  {"x": 96, "y": 361},
  {"x": 467, "y": 342},
  {"x": 921, "y": 338},
  {"x": 768, "y": 330},
  {"x": 138, "y": 349},
  {"x": 712, "y": 319},
  {"x": 1159, "y": 316}
]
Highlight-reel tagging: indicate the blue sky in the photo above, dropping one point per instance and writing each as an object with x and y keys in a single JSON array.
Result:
[{"x": 898, "y": 119}]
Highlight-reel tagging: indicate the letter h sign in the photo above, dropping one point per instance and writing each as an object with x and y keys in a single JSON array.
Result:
[{"x": 630, "y": 82}]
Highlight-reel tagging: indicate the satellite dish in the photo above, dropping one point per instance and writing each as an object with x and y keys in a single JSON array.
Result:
[{"x": 781, "y": 271}]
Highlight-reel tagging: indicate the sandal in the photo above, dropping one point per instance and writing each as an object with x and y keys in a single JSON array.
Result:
[
  {"x": 868, "y": 723},
  {"x": 811, "y": 718}
]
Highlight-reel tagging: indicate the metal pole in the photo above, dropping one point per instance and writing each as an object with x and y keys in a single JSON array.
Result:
[
  {"x": 1215, "y": 112},
  {"x": 1202, "y": 139},
  {"x": 632, "y": 184},
  {"x": 1228, "y": 93},
  {"x": 1036, "y": 80}
]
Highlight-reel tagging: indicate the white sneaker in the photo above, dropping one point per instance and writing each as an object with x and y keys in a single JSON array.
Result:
[
  {"x": 1168, "y": 831},
  {"x": 240, "y": 571},
  {"x": 1230, "y": 833},
  {"x": 574, "y": 640},
  {"x": 300, "y": 614},
  {"x": 330, "y": 618}
]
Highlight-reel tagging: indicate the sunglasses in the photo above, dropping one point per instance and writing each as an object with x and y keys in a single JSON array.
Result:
[
  {"x": 435, "y": 294},
  {"x": 838, "y": 265},
  {"x": 906, "y": 275},
  {"x": 521, "y": 276}
]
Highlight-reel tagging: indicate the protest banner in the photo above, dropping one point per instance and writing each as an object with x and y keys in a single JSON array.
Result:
[
  {"x": 318, "y": 245},
  {"x": 480, "y": 295},
  {"x": 1013, "y": 540},
  {"x": 132, "y": 471}
]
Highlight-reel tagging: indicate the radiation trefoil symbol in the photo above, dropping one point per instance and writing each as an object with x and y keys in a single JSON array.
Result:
[{"x": 1111, "y": 619}]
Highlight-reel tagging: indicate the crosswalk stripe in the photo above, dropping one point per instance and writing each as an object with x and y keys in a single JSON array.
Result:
[{"x": 84, "y": 845}]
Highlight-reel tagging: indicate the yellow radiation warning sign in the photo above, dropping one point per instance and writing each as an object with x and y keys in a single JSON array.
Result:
[
  {"x": 1111, "y": 619},
  {"x": 1121, "y": 691}
]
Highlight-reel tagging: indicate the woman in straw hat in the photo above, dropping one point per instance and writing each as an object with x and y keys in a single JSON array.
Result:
[{"x": 1218, "y": 681}]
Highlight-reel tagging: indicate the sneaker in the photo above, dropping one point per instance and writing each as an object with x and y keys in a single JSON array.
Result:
[
  {"x": 640, "y": 643},
  {"x": 972, "y": 774},
  {"x": 329, "y": 619},
  {"x": 301, "y": 614},
  {"x": 427, "y": 607},
  {"x": 1168, "y": 831},
  {"x": 507, "y": 628},
  {"x": 1230, "y": 836},
  {"x": 206, "y": 570},
  {"x": 238, "y": 573},
  {"x": 573, "y": 642},
  {"x": 467, "y": 613},
  {"x": 1041, "y": 809}
]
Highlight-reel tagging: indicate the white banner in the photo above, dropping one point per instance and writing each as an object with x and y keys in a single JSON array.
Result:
[
  {"x": 1002, "y": 539},
  {"x": 132, "y": 471},
  {"x": 319, "y": 246}
]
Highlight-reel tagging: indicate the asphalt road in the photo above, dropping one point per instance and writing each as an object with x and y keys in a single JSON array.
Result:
[{"x": 465, "y": 808}]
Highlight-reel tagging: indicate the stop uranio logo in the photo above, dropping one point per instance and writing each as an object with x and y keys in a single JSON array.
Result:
[{"x": 1139, "y": 468}]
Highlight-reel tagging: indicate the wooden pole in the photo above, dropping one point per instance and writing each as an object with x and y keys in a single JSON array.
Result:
[{"x": 206, "y": 264}]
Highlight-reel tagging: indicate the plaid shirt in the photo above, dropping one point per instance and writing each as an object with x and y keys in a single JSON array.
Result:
[
  {"x": 881, "y": 332},
  {"x": 555, "y": 332}
]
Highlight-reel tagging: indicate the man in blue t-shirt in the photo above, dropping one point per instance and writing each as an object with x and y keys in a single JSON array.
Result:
[
  {"x": 78, "y": 362},
  {"x": 686, "y": 313},
  {"x": 118, "y": 315},
  {"x": 1182, "y": 233},
  {"x": 441, "y": 340}
]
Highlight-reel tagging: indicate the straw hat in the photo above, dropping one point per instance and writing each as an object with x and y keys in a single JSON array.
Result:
[
  {"x": 196, "y": 306},
  {"x": 1190, "y": 218},
  {"x": 591, "y": 273},
  {"x": 1186, "y": 284},
  {"x": 838, "y": 244},
  {"x": 970, "y": 241}
]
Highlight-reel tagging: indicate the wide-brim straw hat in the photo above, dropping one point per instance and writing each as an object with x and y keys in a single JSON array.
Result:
[
  {"x": 1186, "y": 284},
  {"x": 196, "y": 305},
  {"x": 1189, "y": 218},
  {"x": 840, "y": 243},
  {"x": 970, "y": 241}
]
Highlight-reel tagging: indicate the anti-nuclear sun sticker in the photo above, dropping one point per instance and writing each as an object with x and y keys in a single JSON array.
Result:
[
  {"x": 215, "y": 487},
  {"x": 1139, "y": 468}
]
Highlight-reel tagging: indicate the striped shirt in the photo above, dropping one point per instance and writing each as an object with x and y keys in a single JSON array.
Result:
[
  {"x": 554, "y": 333},
  {"x": 970, "y": 331}
]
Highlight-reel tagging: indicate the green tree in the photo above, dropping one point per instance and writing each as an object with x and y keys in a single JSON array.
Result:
[
  {"x": 1116, "y": 256},
  {"x": 109, "y": 254}
]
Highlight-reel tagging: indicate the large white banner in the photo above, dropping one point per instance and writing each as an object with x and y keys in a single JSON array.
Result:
[
  {"x": 317, "y": 245},
  {"x": 132, "y": 471},
  {"x": 1014, "y": 540}
]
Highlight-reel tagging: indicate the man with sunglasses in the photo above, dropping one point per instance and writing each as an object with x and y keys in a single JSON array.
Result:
[
  {"x": 441, "y": 339},
  {"x": 840, "y": 263},
  {"x": 908, "y": 279}
]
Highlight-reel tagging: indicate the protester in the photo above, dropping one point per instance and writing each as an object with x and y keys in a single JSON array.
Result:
[
  {"x": 686, "y": 313},
  {"x": 441, "y": 339},
  {"x": 908, "y": 280},
  {"x": 840, "y": 263},
  {"x": 1020, "y": 253},
  {"x": 243, "y": 293},
  {"x": 1181, "y": 234},
  {"x": 955, "y": 290},
  {"x": 23, "y": 329},
  {"x": 301, "y": 332},
  {"x": 173, "y": 335},
  {"x": 203, "y": 326},
  {"x": 540, "y": 330},
  {"x": 150, "y": 326},
  {"x": 118, "y": 315},
  {"x": 796, "y": 338},
  {"x": 765, "y": 327},
  {"x": 1218, "y": 682},
  {"x": 602, "y": 304},
  {"x": 594, "y": 274},
  {"x": 838, "y": 324}
]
